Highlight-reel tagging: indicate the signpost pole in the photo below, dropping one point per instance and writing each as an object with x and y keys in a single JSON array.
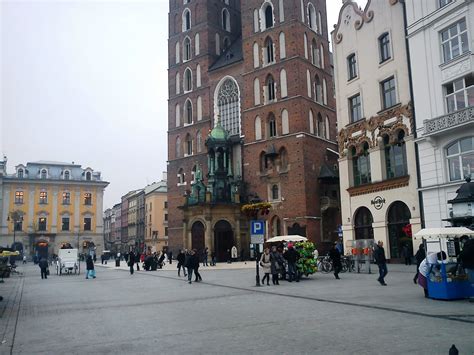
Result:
[{"x": 257, "y": 233}]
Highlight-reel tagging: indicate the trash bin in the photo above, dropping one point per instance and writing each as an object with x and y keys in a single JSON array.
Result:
[{"x": 117, "y": 262}]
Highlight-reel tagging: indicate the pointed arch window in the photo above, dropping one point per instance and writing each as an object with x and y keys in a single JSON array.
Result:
[
  {"x": 258, "y": 128},
  {"x": 178, "y": 83},
  {"x": 320, "y": 126},
  {"x": 285, "y": 125},
  {"x": 228, "y": 105},
  {"x": 312, "y": 22},
  {"x": 226, "y": 20},
  {"x": 177, "y": 53},
  {"x": 325, "y": 92},
  {"x": 178, "y": 147},
  {"x": 275, "y": 192},
  {"x": 186, "y": 20},
  {"x": 256, "y": 61},
  {"x": 272, "y": 126},
  {"x": 268, "y": 15},
  {"x": 256, "y": 91},
  {"x": 283, "y": 84},
  {"x": 269, "y": 51},
  {"x": 196, "y": 44},
  {"x": 188, "y": 80},
  {"x": 270, "y": 85},
  {"x": 311, "y": 122},
  {"x": 327, "y": 126},
  {"x": 189, "y": 145},
  {"x": 188, "y": 111},
  {"x": 187, "y": 49},
  {"x": 198, "y": 76},
  {"x": 282, "y": 45},
  {"x": 199, "y": 108},
  {"x": 199, "y": 142},
  {"x": 318, "y": 90},
  {"x": 177, "y": 115}
]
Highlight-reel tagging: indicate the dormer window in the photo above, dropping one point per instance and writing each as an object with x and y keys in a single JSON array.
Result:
[
  {"x": 67, "y": 175},
  {"x": 44, "y": 174},
  {"x": 20, "y": 173},
  {"x": 88, "y": 176}
]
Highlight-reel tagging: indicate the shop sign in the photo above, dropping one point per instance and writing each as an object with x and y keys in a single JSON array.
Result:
[{"x": 378, "y": 202}]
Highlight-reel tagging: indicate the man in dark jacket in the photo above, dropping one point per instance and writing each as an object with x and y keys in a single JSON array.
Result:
[
  {"x": 90, "y": 267},
  {"x": 291, "y": 256},
  {"x": 181, "y": 259},
  {"x": 43, "y": 264},
  {"x": 190, "y": 263},
  {"x": 419, "y": 256},
  {"x": 335, "y": 256},
  {"x": 381, "y": 261},
  {"x": 467, "y": 260},
  {"x": 131, "y": 261}
]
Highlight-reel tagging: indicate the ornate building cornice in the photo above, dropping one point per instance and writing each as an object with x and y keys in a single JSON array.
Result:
[
  {"x": 389, "y": 123},
  {"x": 365, "y": 15}
]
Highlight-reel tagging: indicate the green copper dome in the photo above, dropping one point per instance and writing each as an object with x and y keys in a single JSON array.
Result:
[{"x": 218, "y": 133}]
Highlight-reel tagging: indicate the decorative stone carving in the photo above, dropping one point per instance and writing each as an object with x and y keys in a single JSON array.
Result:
[
  {"x": 450, "y": 120},
  {"x": 365, "y": 15},
  {"x": 456, "y": 70},
  {"x": 388, "y": 123}
]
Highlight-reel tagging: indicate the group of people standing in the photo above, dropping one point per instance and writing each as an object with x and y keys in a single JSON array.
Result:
[
  {"x": 188, "y": 260},
  {"x": 276, "y": 262}
]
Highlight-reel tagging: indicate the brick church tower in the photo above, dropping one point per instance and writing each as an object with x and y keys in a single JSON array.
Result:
[{"x": 259, "y": 71}]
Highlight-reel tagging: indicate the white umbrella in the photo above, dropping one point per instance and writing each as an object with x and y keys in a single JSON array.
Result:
[{"x": 287, "y": 238}]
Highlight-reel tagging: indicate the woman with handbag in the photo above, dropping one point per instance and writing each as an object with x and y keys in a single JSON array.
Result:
[{"x": 265, "y": 263}]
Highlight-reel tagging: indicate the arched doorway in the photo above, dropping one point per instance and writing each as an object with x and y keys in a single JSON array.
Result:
[
  {"x": 398, "y": 217},
  {"x": 197, "y": 237},
  {"x": 223, "y": 239},
  {"x": 363, "y": 224},
  {"x": 296, "y": 229}
]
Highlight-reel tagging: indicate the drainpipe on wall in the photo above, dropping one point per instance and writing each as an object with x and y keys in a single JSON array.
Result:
[{"x": 410, "y": 80}]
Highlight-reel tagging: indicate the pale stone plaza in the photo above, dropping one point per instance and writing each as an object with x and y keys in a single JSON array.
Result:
[{"x": 157, "y": 311}]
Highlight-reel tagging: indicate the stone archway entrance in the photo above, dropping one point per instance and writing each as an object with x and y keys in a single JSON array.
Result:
[
  {"x": 398, "y": 217},
  {"x": 223, "y": 239},
  {"x": 197, "y": 237}
]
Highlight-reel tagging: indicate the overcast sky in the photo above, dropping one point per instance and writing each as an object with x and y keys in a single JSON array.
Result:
[{"x": 86, "y": 81}]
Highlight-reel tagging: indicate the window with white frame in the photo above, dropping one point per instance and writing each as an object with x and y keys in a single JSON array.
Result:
[
  {"x": 388, "y": 91},
  {"x": 460, "y": 93},
  {"x": 269, "y": 52},
  {"x": 189, "y": 145},
  {"x": 454, "y": 40},
  {"x": 180, "y": 176},
  {"x": 272, "y": 126},
  {"x": 20, "y": 173},
  {"x": 42, "y": 224},
  {"x": 43, "y": 197},
  {"x": 384, "y": 47},
  {"x": 460, "y": 157},
  {"x": 44, "y": 174},
  {"x": 351, "y": 66},
  {"x": 178, "y": 147},
  {"x": 188, "y": 112},
  {"x": 444, "y": 2},
  {"x": 67, "y": 175},
  {"x": 267, "y": 11},
  {"x": 19, "y": 197},
  {"x": 228, "y": 105},
  {"x": 355, "y": 108},
  {"x": 270, "y": 84},
  {"x": 66, "y": 198},
  {"x": 188, "y": 80},
  {"x": 274, "y": 192}
]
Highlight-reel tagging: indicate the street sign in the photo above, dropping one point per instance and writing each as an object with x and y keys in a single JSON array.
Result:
[
  {"x": 339, "y": 231},
  {"x": 257, "y": 232}
]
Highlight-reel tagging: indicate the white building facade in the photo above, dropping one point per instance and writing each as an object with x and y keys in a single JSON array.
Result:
[
  {"x": 441, "y": 41},
  {"x": 377, "y": 165}
]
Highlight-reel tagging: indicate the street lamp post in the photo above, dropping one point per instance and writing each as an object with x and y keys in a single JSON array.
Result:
[{"x": 15, "y": 219}]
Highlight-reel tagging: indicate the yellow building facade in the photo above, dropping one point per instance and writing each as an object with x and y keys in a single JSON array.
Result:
[
  {"x": 156, "y": 216},
  {"x": 47, "y": 205}
]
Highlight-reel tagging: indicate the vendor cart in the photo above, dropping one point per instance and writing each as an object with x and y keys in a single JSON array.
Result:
[{"x": 447, "y": 280}]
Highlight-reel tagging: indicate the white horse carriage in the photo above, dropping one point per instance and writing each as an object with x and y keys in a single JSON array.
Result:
[{"x": 67, "y": 262}]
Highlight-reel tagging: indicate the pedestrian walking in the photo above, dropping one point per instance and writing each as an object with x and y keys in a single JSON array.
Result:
[
  {"x": 467, "y": 261},
  {"x": 196, "y": 266},
  {"x": 131, "y": 261},
  {"x": 381, "y": 261},
  {"x": 90, "y": 271},
  {"x": 265, "y": 263},
  {"x": 189, "y": 263},
  {"x": 137, "y": 260},
  {"x": 335, "y": 257},
  {"x": 213, "y": 258},
  {"x": 24, "y": 259},
  {"x": 406, "y": 254},
  {"x": 205, "y": 254},
  {"x": 292, "y": 256},
  {"x": 170, "y": 257},
  {"x": 234, "y": 253},
  {"x": 43, "y": 265},
  {"x": 275, "y": 265},
  {"x": 419, "y": 257},
  {"x": 181, "y": 258}
]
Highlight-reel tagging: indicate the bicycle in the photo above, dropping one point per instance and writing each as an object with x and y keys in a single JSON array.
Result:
[{"x": 325, "y": 264}]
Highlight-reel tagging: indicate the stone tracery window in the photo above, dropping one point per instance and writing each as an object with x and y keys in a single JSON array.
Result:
[{"x": 228, "y": 105}]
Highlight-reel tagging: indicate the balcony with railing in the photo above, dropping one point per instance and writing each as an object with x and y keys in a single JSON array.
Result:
[
  {"x": 449, "y": 121},
  {"x": 328, "y": 202}
]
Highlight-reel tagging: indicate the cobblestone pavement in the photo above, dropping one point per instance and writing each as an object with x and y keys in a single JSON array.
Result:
[{"x": 152, "y": 312}]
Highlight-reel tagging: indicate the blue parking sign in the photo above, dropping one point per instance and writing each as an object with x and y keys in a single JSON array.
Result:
[{"x": 257, "y": 232}]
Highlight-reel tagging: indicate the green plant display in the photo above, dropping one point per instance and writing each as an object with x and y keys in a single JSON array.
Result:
[{"x": 306, "y": 263}]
